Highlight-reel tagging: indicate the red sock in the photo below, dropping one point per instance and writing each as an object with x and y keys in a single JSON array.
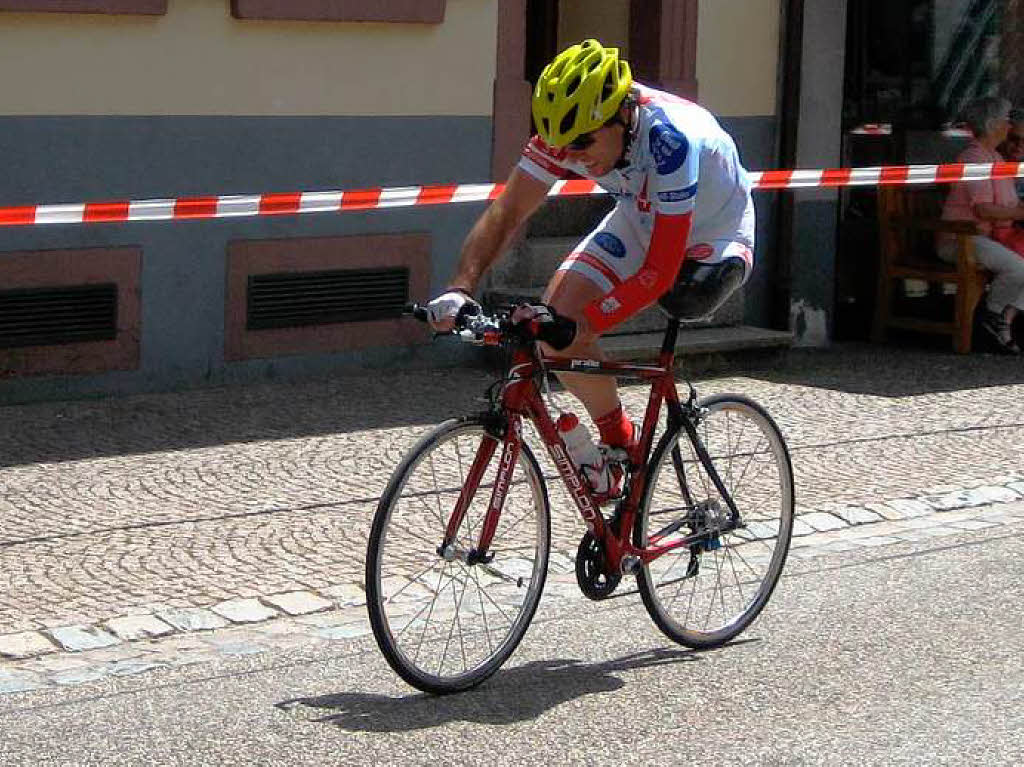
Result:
[{"x": 615, "y": 428}]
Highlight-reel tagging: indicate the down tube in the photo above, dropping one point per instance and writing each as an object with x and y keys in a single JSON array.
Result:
[{"x": 573, "y": 481}]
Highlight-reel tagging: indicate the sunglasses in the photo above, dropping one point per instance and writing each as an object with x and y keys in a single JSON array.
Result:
[{"x": 580, "y": 143}]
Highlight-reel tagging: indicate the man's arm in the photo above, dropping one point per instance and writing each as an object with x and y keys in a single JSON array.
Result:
[
  {"x": 493, "y": 231},
  {"x": 657, "y": 275}
]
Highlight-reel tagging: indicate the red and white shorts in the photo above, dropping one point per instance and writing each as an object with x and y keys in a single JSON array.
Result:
[{"x": 617, "y": 248}]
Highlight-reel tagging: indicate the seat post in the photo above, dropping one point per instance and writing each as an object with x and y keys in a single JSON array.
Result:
[{"x": 668, "y": 345}]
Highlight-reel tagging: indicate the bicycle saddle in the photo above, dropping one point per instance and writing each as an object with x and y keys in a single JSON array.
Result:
[{"x": 701, "y": 288}]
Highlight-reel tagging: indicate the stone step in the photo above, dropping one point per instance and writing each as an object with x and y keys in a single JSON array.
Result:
[
  {"x": 695, "y": 342},
  {"x": 530, "y": 262}
]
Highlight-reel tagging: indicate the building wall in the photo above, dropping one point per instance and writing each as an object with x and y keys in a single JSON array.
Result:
[
  {"x": 97, "y": 108},
  {"x": 737, "y": 75},
  {"x": 819, "y": 145},
  {"x": 738, "y": 55},
  {"x": 198, "y": 60}
]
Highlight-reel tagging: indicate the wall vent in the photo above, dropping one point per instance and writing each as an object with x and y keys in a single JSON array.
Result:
[
  {"x": 58, "y": 315},
  {"x": 300, "y": 299}
]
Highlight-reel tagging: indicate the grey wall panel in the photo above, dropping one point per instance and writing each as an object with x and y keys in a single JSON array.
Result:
[
  {"x": 183, "y": 271},
  {"x": 69, "y": 159},
  {"x": 756, "y": 139}
]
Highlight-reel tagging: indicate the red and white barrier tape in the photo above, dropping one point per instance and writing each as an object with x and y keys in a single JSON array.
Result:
[{"x": 231, "y": 206}]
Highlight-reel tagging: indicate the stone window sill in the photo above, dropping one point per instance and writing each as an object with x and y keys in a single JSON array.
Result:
[{"x": 393, "y": 11}]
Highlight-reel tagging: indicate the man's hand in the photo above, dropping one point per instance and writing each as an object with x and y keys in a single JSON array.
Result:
[
  {"x": 543, "y": 323},
  {"x": 443, "y": 310}
]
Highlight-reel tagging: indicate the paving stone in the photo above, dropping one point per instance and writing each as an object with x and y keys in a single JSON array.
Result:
[
  {"x": 823, "y": 521},
  {"x": 241, "y": 648},
  {"x": 245, "y": 611},
  {"x": 885, "y": 511},
  {"x": 134, "y": 627},
  {"x": 960, "y": 499},
  {"x": 801, "y": 528},
  {"x": 987, "y": 495},
  {"x": 910, "y": 507},
  {"x": 346, "y": 594},
  {"x": 60, "y": 662},
  {"x": 28, "y": 644},
  {"x": 193, "y": 619},
  {"x": 857, "y": 515},
  {"x": 78, "y": 676},
  {"x": 298, "y": 602},
  {"x": 134, "y": 666},
  {"x": 81, "y": 638},
  {"x": 348, "y": 631},
  {"x": 20, "y": 681}
]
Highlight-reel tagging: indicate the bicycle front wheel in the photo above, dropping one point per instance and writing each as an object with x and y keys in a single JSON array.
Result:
[
  {"x": 445, "y": 624},
  {"x": 704, "y": 594}
]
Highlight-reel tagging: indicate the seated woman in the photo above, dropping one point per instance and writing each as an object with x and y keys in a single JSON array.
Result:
[
  {"x": 994, "y": 207},
  {"x": 1012, "y": 148}
]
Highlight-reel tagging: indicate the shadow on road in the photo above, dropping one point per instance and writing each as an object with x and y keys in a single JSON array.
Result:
[
  {"x": 889, "y": 370},
  {"x": 512, "y": 695}
]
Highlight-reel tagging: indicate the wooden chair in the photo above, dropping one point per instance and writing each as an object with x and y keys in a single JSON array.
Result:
[{"x": 909, "y": 219}]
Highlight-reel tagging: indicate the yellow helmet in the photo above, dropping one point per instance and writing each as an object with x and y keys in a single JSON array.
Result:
[{"x": 579, "y": 92}]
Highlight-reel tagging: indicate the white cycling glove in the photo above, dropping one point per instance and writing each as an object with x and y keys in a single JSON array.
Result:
[{"x": 448, "y": 305}]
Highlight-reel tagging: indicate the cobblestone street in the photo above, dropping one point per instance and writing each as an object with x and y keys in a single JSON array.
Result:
[{"x": 131, "y": 518}]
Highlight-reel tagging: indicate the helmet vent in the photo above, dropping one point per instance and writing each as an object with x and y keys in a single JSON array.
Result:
[{"x": 569, "y": 120}]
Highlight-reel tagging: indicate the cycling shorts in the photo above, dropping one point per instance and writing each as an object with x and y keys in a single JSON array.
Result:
[{"x": 617, "y": 248}]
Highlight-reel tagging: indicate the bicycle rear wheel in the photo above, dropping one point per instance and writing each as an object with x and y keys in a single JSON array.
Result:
[
  {"x": 704, "y": 594},
  {"x": 444, "y": 624}
]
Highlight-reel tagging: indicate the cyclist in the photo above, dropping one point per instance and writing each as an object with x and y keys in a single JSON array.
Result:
[{"x": 682, "y": 228}]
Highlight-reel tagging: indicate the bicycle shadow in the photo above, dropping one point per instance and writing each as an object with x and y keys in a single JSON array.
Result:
[{"x": 512, "y": 695}]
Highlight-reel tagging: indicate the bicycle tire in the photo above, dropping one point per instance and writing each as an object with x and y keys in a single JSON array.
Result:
[
  {"x": 754, "y": 553},
  {"x": 502, "y": 595}
]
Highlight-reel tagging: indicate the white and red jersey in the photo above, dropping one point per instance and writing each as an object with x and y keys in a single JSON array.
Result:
[{"x": 680, "y": 160}]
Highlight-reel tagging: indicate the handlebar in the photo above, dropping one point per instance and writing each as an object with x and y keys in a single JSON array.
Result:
[{"x": 475, "y": 327}]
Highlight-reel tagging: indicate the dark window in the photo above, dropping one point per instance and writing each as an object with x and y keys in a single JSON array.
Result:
[{"x": 914, "y": 64}]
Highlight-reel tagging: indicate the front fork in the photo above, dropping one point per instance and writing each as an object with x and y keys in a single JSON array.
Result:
[{"x": 511, "y": 431}]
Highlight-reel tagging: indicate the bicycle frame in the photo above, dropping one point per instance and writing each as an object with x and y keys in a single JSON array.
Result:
[{"x": 521, "y": 398}]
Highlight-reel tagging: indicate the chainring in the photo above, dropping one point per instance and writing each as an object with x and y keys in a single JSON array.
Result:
[{"x": 593, "y": 581}]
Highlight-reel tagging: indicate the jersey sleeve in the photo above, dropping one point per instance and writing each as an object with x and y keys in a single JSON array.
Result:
[
  {"x": 544, "y": 163},
  {"x": 675, "y": 169},
  {"x": 655, "y": 277}
]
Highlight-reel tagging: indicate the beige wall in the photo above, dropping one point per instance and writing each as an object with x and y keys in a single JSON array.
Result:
[
  {"x": 197, "y": 60},
  {"x": 738, "y": 56},
  {"x": 605, "y": 20}
]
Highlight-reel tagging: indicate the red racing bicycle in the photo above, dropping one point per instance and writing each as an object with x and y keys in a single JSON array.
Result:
[{"x": 458, "y": 551}]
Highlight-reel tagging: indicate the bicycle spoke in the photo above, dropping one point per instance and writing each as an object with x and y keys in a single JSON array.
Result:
[
  {"x": 446, "y": 625},
  {"x": 735, "y": 570}
]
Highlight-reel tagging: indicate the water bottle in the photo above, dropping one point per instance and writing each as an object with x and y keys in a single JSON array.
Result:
[{"x": 584, "y": 454}]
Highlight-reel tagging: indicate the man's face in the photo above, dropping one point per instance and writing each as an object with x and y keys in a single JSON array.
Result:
[
  {"x": 1013, "y": 146},
  {"x": 598, "y": 150}
]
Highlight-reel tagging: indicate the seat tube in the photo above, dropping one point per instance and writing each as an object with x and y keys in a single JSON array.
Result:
[{"x": 506, "y": 468}]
